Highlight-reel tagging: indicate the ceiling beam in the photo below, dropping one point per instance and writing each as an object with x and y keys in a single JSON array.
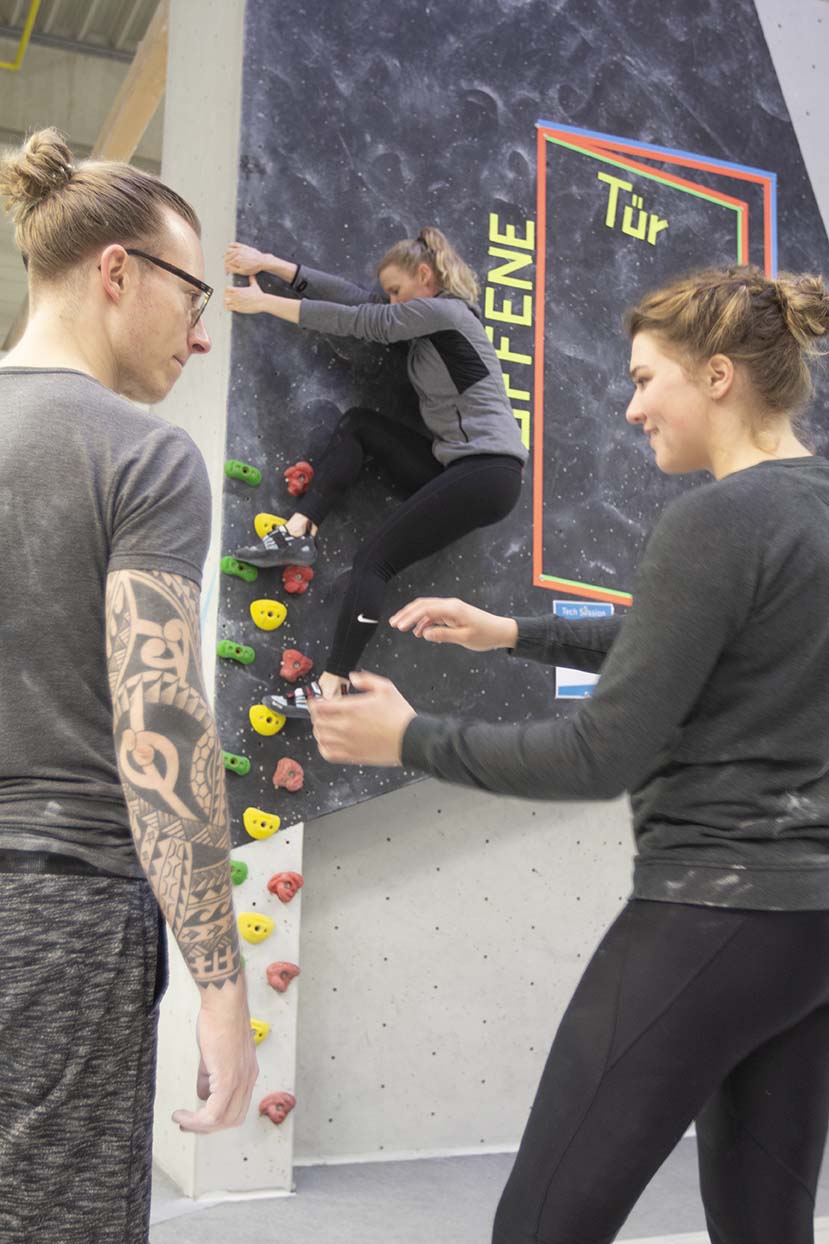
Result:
[{"x": 141, "y": 92}]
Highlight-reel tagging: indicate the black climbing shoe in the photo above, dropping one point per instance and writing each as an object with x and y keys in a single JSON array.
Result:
[
  {"x": 293, "y": 703},
  {"x": 278, "y": 548}
]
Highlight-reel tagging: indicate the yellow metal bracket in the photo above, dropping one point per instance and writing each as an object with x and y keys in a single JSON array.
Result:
[{"x": 24, "y": 38}]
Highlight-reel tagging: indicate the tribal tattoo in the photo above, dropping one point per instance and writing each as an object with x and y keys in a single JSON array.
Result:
[{"x": 171, "y": 764}]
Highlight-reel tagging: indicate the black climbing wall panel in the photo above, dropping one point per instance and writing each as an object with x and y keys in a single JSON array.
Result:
[{"x": 609, "y": 145}]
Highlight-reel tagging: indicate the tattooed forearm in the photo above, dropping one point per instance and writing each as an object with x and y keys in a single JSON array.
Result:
[{"x": 171, "y": 764}]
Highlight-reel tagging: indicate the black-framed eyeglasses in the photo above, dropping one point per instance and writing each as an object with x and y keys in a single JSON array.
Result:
[{"x": 206, "y": 290}]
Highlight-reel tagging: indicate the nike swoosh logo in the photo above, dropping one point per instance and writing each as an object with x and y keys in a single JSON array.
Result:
[{"x": 371, "y": 621}]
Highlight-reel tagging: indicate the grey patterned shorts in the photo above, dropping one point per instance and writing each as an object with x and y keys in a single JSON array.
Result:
[{"x": 82, "y": 970}]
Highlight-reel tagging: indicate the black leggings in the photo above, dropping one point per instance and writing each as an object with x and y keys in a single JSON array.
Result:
[
  {"x": 684, "y": 1013},
  {"x": 444, "y": 503}
]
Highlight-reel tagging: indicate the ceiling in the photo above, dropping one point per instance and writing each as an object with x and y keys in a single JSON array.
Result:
[{"x": 110, "y": 28}]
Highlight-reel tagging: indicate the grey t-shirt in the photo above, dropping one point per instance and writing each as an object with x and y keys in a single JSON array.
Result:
[
  {"x": 712, "y": 708},
  {"x": 88, "y": 484}
]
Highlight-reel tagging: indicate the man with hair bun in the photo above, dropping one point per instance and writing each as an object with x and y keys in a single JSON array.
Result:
[
  {"x": 708, "y": 998},
  {"x": 112, "y": 799}
]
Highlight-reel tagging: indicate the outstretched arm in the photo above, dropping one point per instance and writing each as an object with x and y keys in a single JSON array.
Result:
[
  {"x": 581, "y": 644},
  {"x": 172, "y": 773}
]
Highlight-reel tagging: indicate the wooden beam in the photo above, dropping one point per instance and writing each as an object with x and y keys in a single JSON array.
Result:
[
  {"x": 133, "y": 110},
  {"x": 141, "y": 92}
]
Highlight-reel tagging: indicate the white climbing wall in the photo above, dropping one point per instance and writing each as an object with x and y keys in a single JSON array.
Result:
[{"x": 256, "y": 1158}]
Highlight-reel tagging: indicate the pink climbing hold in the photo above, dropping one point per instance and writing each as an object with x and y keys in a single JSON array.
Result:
[
  {"x": 298, "y": 478},
  {"x": 280, "y": 975},
  {"x": 285, "y": 885},
  {"x": 295, "y": 579},
  {"x": 288, "y": 774},
  {"x": 294, "y": 664},
  {"x": 277, "y": 1106}
]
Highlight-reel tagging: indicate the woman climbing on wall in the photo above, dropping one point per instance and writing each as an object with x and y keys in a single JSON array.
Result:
[
  {"x": 467, "y": 476},
  {"x": 708, "y": 998}
]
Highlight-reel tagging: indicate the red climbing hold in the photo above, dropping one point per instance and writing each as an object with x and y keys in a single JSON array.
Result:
[
  {"x": 277, "y": 1106},
  {"x": 280, "y": 975},
  {"x": 295, "y": 579},
  {"x": 288, "y": 774},
  {"x": 285, "y": 885},
  {"x": 294, "y": 664},
  {"x": 298, "y": 477}
]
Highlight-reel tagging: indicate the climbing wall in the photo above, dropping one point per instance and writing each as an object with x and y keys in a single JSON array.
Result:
[{"x": 576, "y": 154}]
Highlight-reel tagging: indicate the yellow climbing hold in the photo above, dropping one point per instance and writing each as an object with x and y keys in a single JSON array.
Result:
[
  {"x": 265, "y": 523},
  {"x": 260, "y": 1030},
  {"x": 268, "y": 614},
  {"x": 255, "y": 928},
  {"x": 264, "y": 721},
  {"x": 260, "y": 824}
]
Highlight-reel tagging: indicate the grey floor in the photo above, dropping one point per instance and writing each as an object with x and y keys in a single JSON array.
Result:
[{"x": 433, "y": 1201}]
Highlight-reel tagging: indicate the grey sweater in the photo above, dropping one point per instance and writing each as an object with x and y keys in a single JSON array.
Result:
[
  {"x": 712, "y": 708},
  {"x": 452, "y": 363}
]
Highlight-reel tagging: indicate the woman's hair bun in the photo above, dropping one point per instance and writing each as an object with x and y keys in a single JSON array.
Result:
[
  {"x": 805, "y": 305},
  {"x": 29, "y": 174}
]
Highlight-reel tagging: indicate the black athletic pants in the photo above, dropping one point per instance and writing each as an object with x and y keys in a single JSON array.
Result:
[
  {"x": 443, "y": 504},
  {"x": 684, "y": 1013}
]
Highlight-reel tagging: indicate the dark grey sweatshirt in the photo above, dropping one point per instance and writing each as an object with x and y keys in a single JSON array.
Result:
[
  {"x": 452, "y": 363},
  {"x": 712, "y": 708}
]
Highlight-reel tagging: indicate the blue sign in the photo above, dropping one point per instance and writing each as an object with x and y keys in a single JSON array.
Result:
[{"x": 575, "y": 609}]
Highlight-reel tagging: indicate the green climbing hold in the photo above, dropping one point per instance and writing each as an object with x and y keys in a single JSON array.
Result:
[
  {"x": 239, "y": 764},
  {"x": 243, "y": 471},
  {"x": 242, "y": 570},
  {"x": 238, "y": 871},
  {"x": 235, "y": 652}
]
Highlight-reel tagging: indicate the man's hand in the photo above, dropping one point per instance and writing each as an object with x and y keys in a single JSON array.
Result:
[
  {"x": 249, "y": 299},
  {"x": 228, "y": 1068},
  {"x": 365, "y": 729},
  {"x": 244, "y": 260},
  {"x": 454, "y": 622}
]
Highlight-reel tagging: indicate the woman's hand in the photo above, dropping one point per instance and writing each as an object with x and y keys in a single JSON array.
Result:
[
  {"x": 454, "y": 622},
  {"x": 364, "y": 729},
  {"x": 248, "y": 299},
  {"x": 244, "y": 260}
]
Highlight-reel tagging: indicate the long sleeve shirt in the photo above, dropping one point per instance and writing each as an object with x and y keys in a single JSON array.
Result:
[
  {"x": 452, "y": 364},
  {"x": 712, "y": 709}
]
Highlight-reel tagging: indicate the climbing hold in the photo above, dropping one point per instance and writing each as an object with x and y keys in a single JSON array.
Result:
[
  {"x": 294, "y": 664},
  {"x": 237, "y": 764},
  {"x": 288, "y": 774},
  {"x": 265, "y": 523},
  {"x": 280, "y": 975},
  {"x": 285, "y": 885},
  {"x": 255, "y": 928},
  {"x": 260, "y": 824},
  {"x": 231, "y": 565},
  {"x": 260, "y": 1030},
  {"x": 295, "y": 579},
  {"x": 268, "y": 614},
  {"x": 238, "y": 871},
  {"x": 235, "y": 652},
  {"x": 264, "y": 721},
  {"x": 298, "y": 478},
  {"x": 243, "y": 471},
  {"x": 277, "y": 1106}
]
